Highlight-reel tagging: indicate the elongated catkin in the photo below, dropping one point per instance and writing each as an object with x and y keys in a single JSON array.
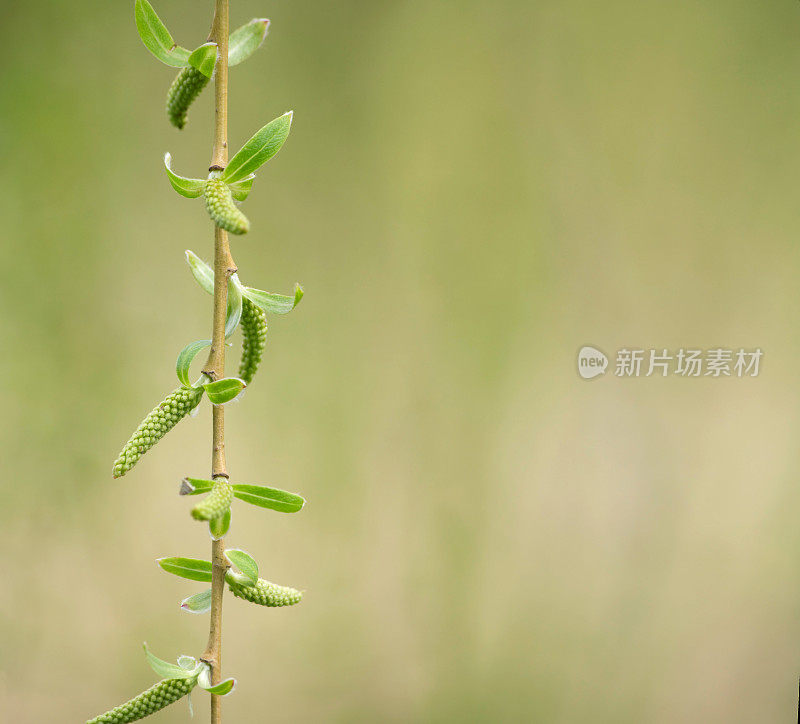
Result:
[
  {"x": 158, "y": 423},
  {"x": 188, "y": 84},
  {"x": 220, "y": 207},
  {"x": 265, "y": 593},
  {"x": 254, "y": 339},
  {"x": 164, "y": 693},
  {"x": 216, "y": 503}
]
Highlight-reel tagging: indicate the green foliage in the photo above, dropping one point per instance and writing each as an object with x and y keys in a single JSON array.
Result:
[
  {"x": 204, "y": 275},
  {"x": 194, "y": 569},
  {"x": 198, "y": 602},
  {"x": 156, "y": 37},
  {"x": 195, "y": 486},
  {"x": 223, "y": 688},
  {"x": 202, "y": 272},
  {"x": 224, "y": 390},
  {"x": 261, "y": 147},
  {"x": 271, "y": 498},
  {"x": 274, "y": 303},
  {"x": 240, "y": 190},
  {"x": 186, "y": 357},
  {"x": 244, "y": 41},
  {"x": 191, "y": 188},
  {"x": 158, "y": 423},
  {"x": 170, "y": 671},
  {"x": 204, "y": 59},
  {"x": 233, "y": 313}
]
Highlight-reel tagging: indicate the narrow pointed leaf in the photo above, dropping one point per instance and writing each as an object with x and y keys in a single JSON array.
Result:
[
  {"x": 186, "y": 357},
  {"x": 196, "y": 486},
  {"x": 244, "y": 41},
  {"x": 204, "y": 59},
  {"x": 233, "y": 313},
  {"x": 166, "y": 670},
  {"x": 204, "y": 275},
  {"x": 274, "y": 303},
  {"x": 223, "y": 688},
  {"x": 259, "y": 149},
  {"x": 201, "y": 271},
  {"x": 218, "y": 527},
  {"x": 156, "y": 37},
  {"x": 198, "y": 603},
  {"x": 191, "y": 188},
  {"x": 192, "y": 568},
  {"x": 271, "y": 498},
  {"x": 241, "y": 189},
  {"x": 224, "y": 390},
  {"x": 245, "y": 563}
]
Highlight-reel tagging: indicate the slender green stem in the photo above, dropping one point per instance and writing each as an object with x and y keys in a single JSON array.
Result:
[{"x": 215, "y": 365}]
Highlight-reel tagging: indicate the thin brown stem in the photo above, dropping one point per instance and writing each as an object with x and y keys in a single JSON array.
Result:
[{"x": 215, "y": 365}]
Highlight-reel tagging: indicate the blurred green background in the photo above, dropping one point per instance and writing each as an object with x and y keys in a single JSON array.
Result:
[{"x": 470, "y": 193}]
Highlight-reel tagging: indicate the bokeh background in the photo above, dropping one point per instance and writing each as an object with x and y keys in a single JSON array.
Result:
[{"x": 470, "y": 193}]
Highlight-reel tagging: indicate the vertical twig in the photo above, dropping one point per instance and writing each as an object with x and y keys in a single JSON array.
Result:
[{"x": 215, "y": 366}]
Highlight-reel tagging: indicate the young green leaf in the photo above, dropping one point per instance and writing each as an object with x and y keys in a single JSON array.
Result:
[
  {"x": 224, "y": 390},
  {"x": 259, "y": 149},
  {"x": 274, "y": 303},
  {"x": 245, "y": 563},
  {"x": 192, "y": 568},
  {"x": 241, "y": 189},
  {"x": 218, "y": 527},
  {"x": 166, "y": 670},
  {"x": 244, "y": 41},
  {"x": 191, "y": 188},
  {"x": 195, "y": 486},
  {"x": 204, "y": 59},
  {"x": 271, "y": 498},
  {"x": 223, "y": 688},
  {"x": 201, "y": 271},
  {"x": 204, "y": 275},
  {"x": 156, "y": 37},
  {"x": 198, "y": 603},
  {"x": 186, "y": 357},
  {"x": 233, "y": 312}
]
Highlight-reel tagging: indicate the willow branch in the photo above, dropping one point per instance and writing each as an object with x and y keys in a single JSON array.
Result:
[{"x": 215, "y": 365}]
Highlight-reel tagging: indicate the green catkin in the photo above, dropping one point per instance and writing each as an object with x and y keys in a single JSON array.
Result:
[
  {"x": 158, "y": 423},
  {"x": 220, "y": 207},
  {"x": 184, "y": 89},
  {"x": 216, "y": 503},
  {"x": 265, "y": 593},
  {"x": 163, "y": 694},
  {"x": 254, "y": 339}
]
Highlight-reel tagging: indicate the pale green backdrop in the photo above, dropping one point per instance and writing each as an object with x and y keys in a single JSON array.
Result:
[{"x": 471, "y": 192}]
